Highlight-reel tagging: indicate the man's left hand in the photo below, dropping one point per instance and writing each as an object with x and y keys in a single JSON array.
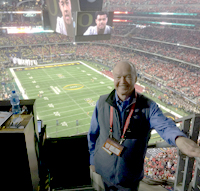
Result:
[{"x": 188, "y": 147}]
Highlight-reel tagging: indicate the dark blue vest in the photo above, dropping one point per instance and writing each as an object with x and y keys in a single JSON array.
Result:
[{"x": 127, "y": 168}]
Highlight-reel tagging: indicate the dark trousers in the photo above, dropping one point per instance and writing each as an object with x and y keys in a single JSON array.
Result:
[{"x": 111, "y": 187}]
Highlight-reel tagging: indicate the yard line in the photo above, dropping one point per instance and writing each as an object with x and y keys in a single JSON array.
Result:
[
  {"x": 95, "y": 70},
  {"x": 18, "y": 83},
  {"x": 61, "y": 121},
  {"x": 63, "y": 111},
  {"x": 76, "y": 95},
  {"x": 56, "y": 92},
  {"x": 96, "y": 86},
  {"x": 44, "y": 104}
]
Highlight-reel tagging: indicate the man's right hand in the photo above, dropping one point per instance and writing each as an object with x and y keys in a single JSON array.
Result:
[{"x": 92, "y": 167}]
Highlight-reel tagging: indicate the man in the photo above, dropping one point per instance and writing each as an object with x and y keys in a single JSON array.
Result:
[
  {"x": 122, "y": 122},
  {"x": 64, "y": 24},
  {"x": 101, "y": 20}
]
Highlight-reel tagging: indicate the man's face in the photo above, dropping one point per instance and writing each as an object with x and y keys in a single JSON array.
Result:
[
  {"x": 124, "y": 79},
  {"x": 65, "y": 8},
  {"x": 101, "y": 21}
]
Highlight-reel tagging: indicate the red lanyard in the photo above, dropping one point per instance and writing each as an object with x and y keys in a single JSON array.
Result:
[{"x": 126, "y": 123}]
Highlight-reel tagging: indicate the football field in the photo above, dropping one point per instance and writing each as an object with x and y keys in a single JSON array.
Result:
[{"x": 65, "y": 95}]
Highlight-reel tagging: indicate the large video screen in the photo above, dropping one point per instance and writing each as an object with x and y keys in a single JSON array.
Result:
[
  {"x": 21, "y": 22},
  {"x": 95, "y": 25},
  {"x": 20, "y": 19},
  {"x": 62, "y": 17}
]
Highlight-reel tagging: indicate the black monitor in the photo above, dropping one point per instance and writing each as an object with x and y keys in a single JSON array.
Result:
[
  {"x": 94, "y": 25},
  {"x": 61, "y": 15}
]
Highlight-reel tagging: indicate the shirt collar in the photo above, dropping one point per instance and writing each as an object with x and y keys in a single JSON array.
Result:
[{"x": 127, "y": 101}]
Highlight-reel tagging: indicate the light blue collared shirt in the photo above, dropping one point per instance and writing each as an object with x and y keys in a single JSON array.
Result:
[{"x": 122, "y": 105}]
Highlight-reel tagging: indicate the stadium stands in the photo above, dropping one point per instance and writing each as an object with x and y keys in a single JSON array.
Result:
[
  {"x": 181, "y": 6},
  {"x": 162, "y": 165},
  {"x": 176, "y": 76},
  {"x": 171, "y": 74},
  {"x": 187, "y": 37},
  {"x": 12, "y": 6}
]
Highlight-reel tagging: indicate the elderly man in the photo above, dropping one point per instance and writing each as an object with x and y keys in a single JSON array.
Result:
[
  {"x": 101, "y": 19},
  {"x": 120, "y": 131},
  {"x": 64, "y": 24}
]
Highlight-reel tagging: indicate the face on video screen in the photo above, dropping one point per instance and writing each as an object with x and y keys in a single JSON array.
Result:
[
  {"x": 101, "y": 21},
  {"x": 65, "y": 8},
  {"x": 61, "y": 15},
  {"x": 94, "y": 23}
]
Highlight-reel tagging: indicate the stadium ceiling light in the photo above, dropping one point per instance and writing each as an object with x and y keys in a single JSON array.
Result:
[
  {"x": 120, "y": 12},
  {"x": 165, "y": 13},
  {"x": 31, "y": 12}
]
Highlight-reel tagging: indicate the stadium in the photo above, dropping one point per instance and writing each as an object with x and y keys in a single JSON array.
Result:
[{"x": 66, "y": 75}]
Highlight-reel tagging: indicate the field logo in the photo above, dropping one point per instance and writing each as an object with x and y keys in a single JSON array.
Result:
[
  {"x": 73, "y": 87},
  {"x": 90, "y": 101},
  {"x": 60, "y": 76}
]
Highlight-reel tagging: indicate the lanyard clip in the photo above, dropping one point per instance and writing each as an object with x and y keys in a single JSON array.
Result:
[
  {"x": 110, "y": 134},
  {"x": 121, "y": 141}
]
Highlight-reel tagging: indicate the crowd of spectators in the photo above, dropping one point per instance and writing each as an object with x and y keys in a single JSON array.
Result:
[
  {"x": 151, "y": 2},
  {"x": 181, "y": 6},
  {"x": 175, "y": 100},
  {"x": 173, "y": 51},
  {"x": 12, "y": 6},
  {"x": 187, "y": 37},
  {"x": 126, "y": 5},
  {"x": 32, "y": 39},
  {"x": 122, "y": 30},
  {"x": 162, "y": 166},
  {"x": 179, "y": 78},
  {"x": 167, "y": 97},
  {"x": 18, "y": 20},
  {"x": 20, "y": 23},
  {"x": 6, "y": 82}
]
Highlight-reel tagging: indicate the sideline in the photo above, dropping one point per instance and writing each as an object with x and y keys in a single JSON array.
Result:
[{"x": 18, "y": 84}]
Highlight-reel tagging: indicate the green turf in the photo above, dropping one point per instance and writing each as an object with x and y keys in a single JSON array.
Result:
[{"x": 73, "y": 101}]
